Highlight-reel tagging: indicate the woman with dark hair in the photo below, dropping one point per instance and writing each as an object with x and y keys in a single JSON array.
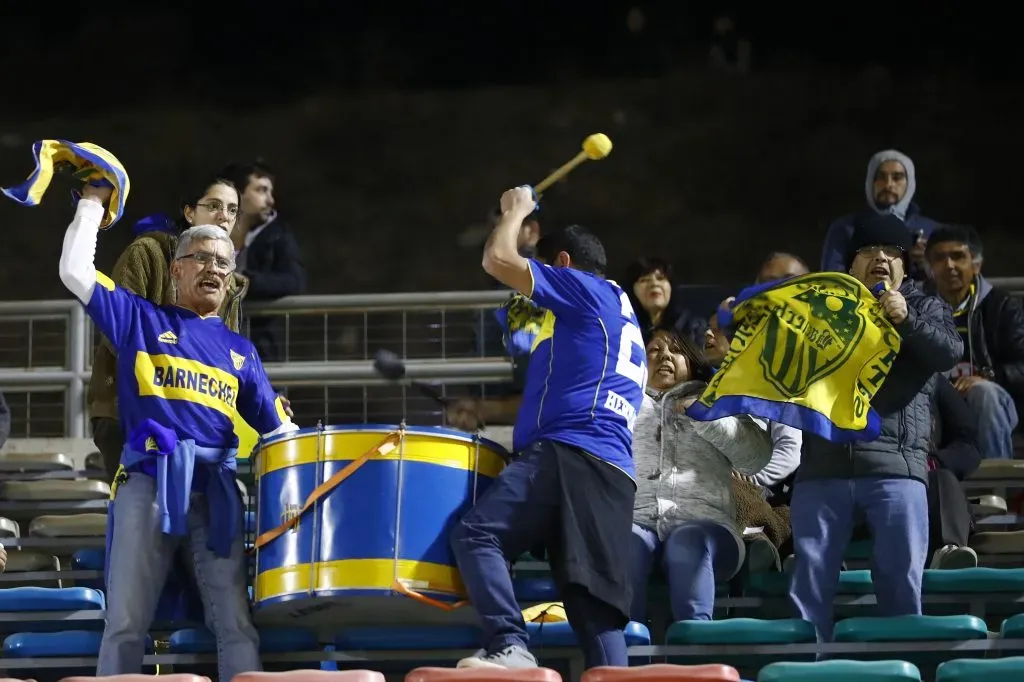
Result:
[
  {"x": 144, "y": 268},
  {"x": 649, "y": 288},
  {"x": 684, "y": 514}
]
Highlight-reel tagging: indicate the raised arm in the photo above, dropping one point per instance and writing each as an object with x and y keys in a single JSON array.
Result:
[
  {"x": 77, "y": 258},
  {"x": 501, "y": 253}
]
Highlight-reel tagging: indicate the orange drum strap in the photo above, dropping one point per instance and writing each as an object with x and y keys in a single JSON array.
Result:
[
  {"x": 397, "y": 586},
  {"x": 384, "y": 447}
]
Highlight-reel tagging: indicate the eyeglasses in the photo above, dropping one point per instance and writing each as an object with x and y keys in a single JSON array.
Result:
[
  {"x": 204, "y": 258},
  {"x": 890, "y": 252},
  {"x": 214, "y": 206}
]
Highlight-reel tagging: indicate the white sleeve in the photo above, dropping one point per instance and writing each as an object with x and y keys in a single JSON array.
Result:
[{"x": 77, "y": 259}]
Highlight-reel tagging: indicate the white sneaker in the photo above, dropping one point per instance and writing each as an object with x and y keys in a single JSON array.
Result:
[
  {"x": 952, "y": 557},
  {"x": 513, "y": 656}
]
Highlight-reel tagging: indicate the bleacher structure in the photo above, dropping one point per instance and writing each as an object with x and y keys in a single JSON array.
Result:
[{"x": 53, "y": 523}]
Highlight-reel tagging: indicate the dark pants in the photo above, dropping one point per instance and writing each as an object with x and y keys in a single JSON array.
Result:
[
  {"x": 949, "y": 512},
  {"x": 109, "y": 440},
  {"x": 523, "y": 508}
]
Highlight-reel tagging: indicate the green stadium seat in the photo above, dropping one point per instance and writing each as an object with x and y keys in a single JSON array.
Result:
[
  {"x": 1013, "y": 627},
  {"x": 981, "y": 670},
  {"x": 740, "y": 631},
  {"x": 841, "y": 671},
  {"x": 911, "y": 629}
]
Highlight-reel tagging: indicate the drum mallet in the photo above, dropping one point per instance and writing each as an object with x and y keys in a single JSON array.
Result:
[
  {"x": 595, "y": 147},
  {"x": 392, "y": 368}
]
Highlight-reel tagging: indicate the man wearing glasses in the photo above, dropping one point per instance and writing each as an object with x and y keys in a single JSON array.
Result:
[
  {"x": 182, "y": 377},
  {"x": 882, "y": 481}
]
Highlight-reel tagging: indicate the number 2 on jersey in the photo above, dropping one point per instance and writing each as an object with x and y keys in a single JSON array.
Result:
[{"x": 628, "y": 338}]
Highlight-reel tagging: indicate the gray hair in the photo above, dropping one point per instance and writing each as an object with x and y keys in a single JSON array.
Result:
[{"x": 202, "y": 233}]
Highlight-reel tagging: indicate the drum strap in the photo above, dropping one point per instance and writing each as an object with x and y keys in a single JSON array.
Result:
[{"x": 389, "y": 443}]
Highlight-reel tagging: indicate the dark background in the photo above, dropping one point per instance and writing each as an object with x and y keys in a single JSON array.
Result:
[{"x": 394, "y": 128}]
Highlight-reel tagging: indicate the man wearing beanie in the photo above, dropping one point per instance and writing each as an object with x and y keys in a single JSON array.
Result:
[
  {"x": 890, "y": 186},
  {"x": 882, "y": 482}
]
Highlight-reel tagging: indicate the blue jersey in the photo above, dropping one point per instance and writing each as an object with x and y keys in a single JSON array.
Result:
[
  {"x": 588, "y": 366},
  {"x": 188, "y": 373}
]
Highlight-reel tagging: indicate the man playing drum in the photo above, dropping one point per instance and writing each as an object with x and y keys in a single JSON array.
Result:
[
  {"x": 181, "y": 376},
  {"x": 571, "y": 488}
]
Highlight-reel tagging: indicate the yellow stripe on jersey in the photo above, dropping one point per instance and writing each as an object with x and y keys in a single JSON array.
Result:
[
  {"x": 104, "y": 281},
  {"x": 174, "y": 378}
]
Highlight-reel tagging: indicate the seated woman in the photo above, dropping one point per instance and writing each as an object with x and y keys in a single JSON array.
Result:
[
  {"x": 648, "y": 284},
  {"x": 684, "y": 513}
]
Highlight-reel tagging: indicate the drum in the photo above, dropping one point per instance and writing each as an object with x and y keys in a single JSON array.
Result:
[{"x": 370, "y": 510}]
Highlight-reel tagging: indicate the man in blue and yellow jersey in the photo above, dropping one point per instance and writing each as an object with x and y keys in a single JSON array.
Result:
[
  {"x": 182, "y": 375},
  {"x": 571, "y": 487}
]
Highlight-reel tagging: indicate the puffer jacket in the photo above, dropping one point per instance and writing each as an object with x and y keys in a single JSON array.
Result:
[
  {"x": 684, "y": 466},
  {"x": 144, "y": 269},
  {"x": 930, "y": 345}
]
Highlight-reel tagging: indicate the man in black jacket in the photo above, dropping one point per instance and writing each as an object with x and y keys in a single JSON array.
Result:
[
  {"x": 990, "y": 374},
  {"x": 882, "y": 481},
  {"x": 266, "y": 252}
]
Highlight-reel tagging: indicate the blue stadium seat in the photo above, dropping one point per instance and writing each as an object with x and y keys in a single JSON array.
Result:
[
  {"x": 422, "y": 637},
  {"x": 535, "y": 589},
  {"x": 841, "y": 671},
  {"x": 980, "y": 670},
  {"x": 974, "y": 580},
  {"x": 272, "y": 641},
  {"x": 911, "y": 629},
  {"x": 561, "y": 635},
  {"x": 46, "y": 644},
  {"x": 1013, "y": 627},
  {"x": 250, "y": 522},
  {"x": 92, "y": 559},
  {"x": 740, "y": 631},
  {"x": 24, "y": 599}
]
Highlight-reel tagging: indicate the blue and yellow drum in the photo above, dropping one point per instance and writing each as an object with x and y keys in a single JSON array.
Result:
[{"x": 381, "y": 531}]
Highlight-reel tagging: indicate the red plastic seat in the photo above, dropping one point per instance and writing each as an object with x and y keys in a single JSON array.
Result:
[
  {"x": 663, "y": 672},
  {"x": 312, "y": 676},
  {"x": 138, "y": 678},
  {"x": 483, "y": 675}
]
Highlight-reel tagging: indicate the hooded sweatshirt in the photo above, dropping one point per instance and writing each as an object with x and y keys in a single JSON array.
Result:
[{"x": 833, "y": 255}]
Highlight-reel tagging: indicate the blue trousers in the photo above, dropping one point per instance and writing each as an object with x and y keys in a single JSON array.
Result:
[
  {"x": 517, "y": 512},
  {"x": 997, "y": 418},
  {"x": 823, "y": 514},
  {"x": 692, "y": 556}
]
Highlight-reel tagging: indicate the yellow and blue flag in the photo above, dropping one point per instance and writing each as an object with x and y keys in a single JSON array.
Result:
[
  {"x": 88, "y": 162},
  {"x": 808, "y": 351},
  {"x": 522, "y": 322}
]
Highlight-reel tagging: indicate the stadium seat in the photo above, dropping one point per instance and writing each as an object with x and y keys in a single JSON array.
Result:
[
  {"x": 980, "y": 670},
  {"x": 964, "y": 580},
  {"x": 27, "y": 599},
  {"x": 537, "y": 588},
  {"x": 663, "y": 672},
  {"x": 554, "y": 635},
  {"x": 998, "y": 542},
  {"x": 841, "y": 671},
  {"x": 69, "y": 526},
  {"x": 180, "y": 677},
  {"x": 272, "y": 641},
  {"x": 480, "y": 675},
  {"x": 94, "y": 462},
  {"x": 1013, "y": 627},
  {"x": 910, "y": 629},
  {"x": 9, "y": 528},
  {"x": 740, "y": 631},
  {"x": 311, "y": 676},
  {"x": 49, "y": 644},
  {"x": 54, "y": 490},
  {"x": 424, "y": 637},
  {"x": 11, "y": 462}
]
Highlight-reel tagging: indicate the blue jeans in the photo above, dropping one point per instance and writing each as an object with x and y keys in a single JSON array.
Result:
[
  {"x": 140, "y": 557},
  {"x": 997, "y": 418},
  {"x": 823, "y": 514},
  {"x": 516, "y": 512},
  {"x": 692, "y": 556}
]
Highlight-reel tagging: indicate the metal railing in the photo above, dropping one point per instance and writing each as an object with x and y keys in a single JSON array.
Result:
[
  {"x": 45, "y": 364},
  {"x": 46, "y": 350}
]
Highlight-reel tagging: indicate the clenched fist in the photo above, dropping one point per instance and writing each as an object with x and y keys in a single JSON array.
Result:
[
  {"x": 519, "y": 201},
  {"x": 894, "y": 305}
]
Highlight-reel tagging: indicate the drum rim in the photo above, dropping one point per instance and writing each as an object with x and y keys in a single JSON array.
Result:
[{"x": 388, "y": 428}]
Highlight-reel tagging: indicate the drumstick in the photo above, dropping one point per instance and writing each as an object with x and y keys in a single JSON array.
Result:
[
  {"x": 595, "y": 147},
  {"x": 391, "y": 367}
]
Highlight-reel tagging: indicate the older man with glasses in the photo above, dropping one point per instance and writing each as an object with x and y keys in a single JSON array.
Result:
[{"x": 182, "y": 375}]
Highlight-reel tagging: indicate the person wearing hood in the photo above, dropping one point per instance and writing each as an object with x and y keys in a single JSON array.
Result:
[
  {"x": 882, "y": 481},
  {"x": 890, "y": 186},
  {"x": 144, "y": 268},
  {"x": 990, "y": 374}
]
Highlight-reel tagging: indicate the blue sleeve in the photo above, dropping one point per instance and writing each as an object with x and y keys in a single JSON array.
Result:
[
  {"x": 258, "y": 403},
  {"x": 833, "y": 253},
  {"x": 113, "y": 309},
  {"x": 564, "y": 291}
]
